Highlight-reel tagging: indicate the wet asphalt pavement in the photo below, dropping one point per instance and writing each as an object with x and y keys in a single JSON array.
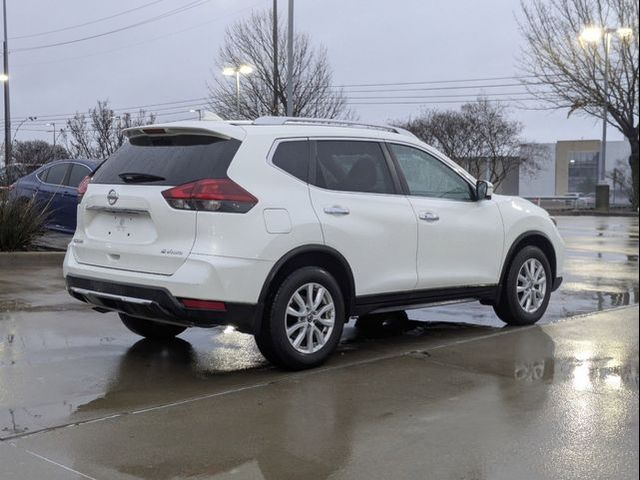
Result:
[{"x": 453, "y": 395}]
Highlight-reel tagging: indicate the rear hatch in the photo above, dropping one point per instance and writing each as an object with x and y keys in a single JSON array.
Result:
[{"x": 125, "y": 221}]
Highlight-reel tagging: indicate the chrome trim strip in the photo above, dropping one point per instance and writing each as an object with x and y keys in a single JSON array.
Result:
[
  {"x": 111, "y": 296},
  {"x": 132, "y": 211}
]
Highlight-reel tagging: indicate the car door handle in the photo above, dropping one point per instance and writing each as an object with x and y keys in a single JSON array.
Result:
[
  {"x": 429, "y": 216},
  {"x": 336, "y": 210}
]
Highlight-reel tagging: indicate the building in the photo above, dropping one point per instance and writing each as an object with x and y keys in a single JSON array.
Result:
[{"x": 569, "y": 167}]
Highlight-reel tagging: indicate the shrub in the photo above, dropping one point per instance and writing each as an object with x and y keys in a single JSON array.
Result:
[{"x": 21, "y": 222}]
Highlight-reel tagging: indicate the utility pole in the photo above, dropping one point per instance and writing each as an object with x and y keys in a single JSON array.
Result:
[
  {"x": 274, "y": 110},
  {"x": 290, "y": 62},
  {"x": 5, "y": 78}
]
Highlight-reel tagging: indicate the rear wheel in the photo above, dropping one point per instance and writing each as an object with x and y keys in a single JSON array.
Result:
[
  {"x": 150, "y": 329},
  {"x": 303, "y": 324},
  {"x": 527, "y": 288}
]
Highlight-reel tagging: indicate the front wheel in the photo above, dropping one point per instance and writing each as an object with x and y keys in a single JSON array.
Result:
[
  {"x": 527, "y": 288},
  {"x": 303, "y": 324},
  {"x": 150, "y": 329}
]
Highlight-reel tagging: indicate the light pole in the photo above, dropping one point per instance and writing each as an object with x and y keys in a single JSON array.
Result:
[
  {"x": 53, "y": 124},
  {"x": 290, "y": 61},
  {"x": 4, "y": 78},
  {"x": 198, "y": 111},
  {"x": 594, "y": 35},
  {"x": 15, "y": 134},
  {"x": 237, "y": 71}
]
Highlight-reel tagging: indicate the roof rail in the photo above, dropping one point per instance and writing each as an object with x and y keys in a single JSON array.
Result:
[{"x": 328, "y": 122}]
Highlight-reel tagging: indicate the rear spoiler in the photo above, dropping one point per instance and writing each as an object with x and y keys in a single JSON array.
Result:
[{"x": 215, "y": 129}]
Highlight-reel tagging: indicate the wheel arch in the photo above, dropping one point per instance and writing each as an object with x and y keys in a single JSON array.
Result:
[
  {"x": 531, "y": 238},
  {"x": 309, "y": 255}
]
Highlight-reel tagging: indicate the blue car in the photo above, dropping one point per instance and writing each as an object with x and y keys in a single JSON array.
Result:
[{"x": 55, "y": 186}]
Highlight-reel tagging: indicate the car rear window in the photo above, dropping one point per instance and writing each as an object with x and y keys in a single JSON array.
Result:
[{"x": 177, "y": 159}]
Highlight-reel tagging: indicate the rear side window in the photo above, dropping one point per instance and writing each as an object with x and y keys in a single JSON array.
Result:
[
  {"x": 56, "y": 174},
  {"x": 169, "y": 160},
  {"x": 352, "y": 167},
  {"x": 78, "y": 172},
  {"x": 293, "y": 157}
]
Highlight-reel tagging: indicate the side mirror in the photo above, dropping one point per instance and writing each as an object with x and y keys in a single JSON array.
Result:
[{"x": 484, "y": 190}]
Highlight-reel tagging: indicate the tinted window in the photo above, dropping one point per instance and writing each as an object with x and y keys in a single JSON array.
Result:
[
  {"x": 352, "y": 167},
  {"x": 78, "y": 172},
  {"x": 56, "y": 174},
  {"x": 177, "y": 159},
  {"x": 429, "y": 177},
  {"x": 293, "y": 157}
]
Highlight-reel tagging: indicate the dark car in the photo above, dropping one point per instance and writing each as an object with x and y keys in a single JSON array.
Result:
[
  {"x": 12, "y": 172},
  {"x": 55, "y": 187}
]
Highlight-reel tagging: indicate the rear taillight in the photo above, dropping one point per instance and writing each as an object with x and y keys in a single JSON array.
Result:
[
  {"x": 211, "y": 195},
  {"x": 82, "y": 188}
]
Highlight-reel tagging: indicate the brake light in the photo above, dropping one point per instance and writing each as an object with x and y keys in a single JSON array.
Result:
[
  {"x": 210, "y": 195},
  {"x": 82, "y": 187},
  {"x": 196, "y": 304}
]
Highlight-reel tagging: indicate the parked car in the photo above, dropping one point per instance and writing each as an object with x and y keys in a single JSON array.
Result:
[
  {"x": 12, "y": 172},
  {"x": 55, "y": 186},
  {"x": 286, "y": 228}
]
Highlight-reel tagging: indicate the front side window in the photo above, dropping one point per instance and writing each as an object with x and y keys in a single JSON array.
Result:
[
  {"x": 293, "y": 158},
  {"x": 352, "y": 166},
  {"x": 55, "y": 174},
  {"x": 428, "y": 177}
]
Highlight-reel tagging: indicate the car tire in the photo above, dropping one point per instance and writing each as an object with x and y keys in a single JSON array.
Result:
[
  {"x": 527, "y": 288},
  {"x": 150, "y": 329},
  {"x": 299, "y": 330}
]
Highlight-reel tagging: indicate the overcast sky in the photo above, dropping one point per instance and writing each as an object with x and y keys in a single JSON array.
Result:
[{"x": 368, "y": 41}]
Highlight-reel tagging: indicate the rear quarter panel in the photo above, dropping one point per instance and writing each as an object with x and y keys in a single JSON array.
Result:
[{"x": 282, "y": 220}]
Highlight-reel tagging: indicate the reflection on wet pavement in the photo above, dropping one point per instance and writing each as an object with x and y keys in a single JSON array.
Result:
[{"x": 540, "y": 402}]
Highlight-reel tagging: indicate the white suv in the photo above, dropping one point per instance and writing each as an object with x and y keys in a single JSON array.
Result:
[{"x": 285, "y": 228}]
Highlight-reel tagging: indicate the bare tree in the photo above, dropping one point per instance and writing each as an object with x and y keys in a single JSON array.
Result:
[
  {"x": 569, "y": 73},
  {"x": 37, "y": 152},
  {"x": 250, "y": 41},
  {"x": 479, "y": 137},
  {"x": 99, "y": 133}
]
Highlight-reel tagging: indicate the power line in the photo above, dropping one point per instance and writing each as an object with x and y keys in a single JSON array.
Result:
[
  {"x": 170, "y": 13},
  {"x": 97, "y": 20},
  {"x": 447, "y": 87},
  {"x": 460, "y": 80},
  {"x": 149, "y": 40}
]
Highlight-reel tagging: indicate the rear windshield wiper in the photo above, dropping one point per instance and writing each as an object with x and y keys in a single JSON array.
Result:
[{"x": 133, "y": 177}]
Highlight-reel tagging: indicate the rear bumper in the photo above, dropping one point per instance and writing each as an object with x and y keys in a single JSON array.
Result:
[{"x": 156, "y": 303}]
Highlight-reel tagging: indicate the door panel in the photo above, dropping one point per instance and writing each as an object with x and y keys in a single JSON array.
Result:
[
  {"x": 459, "y": 243},
  {"x": 459, "y": 239},
  {"x": 362, "y": 217}
]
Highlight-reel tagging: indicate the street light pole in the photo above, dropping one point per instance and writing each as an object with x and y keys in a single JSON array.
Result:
[
  {"x": 52, "y": 124},
  {"x": 237, "y": 71},
  {"x": 605, "y": 106},
  {"x": 238, "y": 92},
  {"x": 595, "y": 35},
  {"x": 5, "y": 79},
  {"x": 274, "y": 110},
  {"x": 290, "y": 62}
]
